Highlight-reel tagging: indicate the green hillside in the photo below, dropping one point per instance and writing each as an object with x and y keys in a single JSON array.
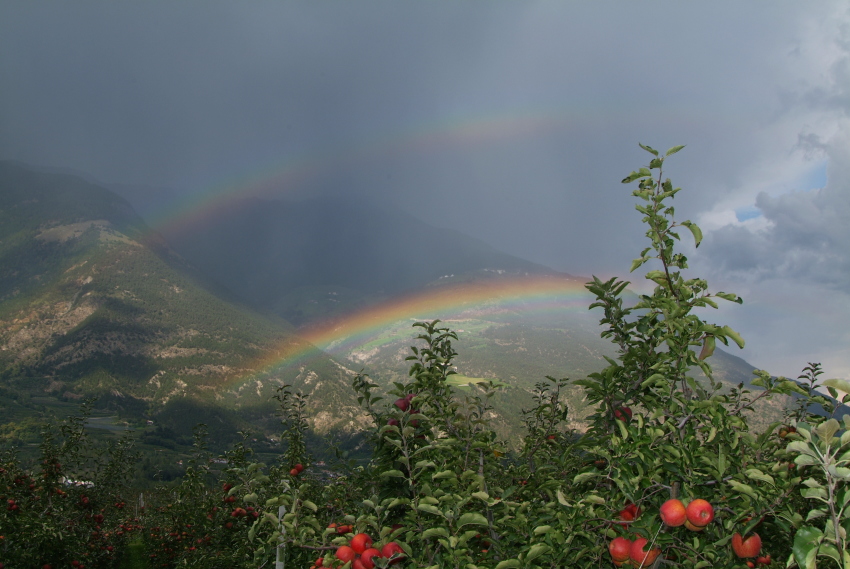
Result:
[
  {"x": 92, "y": 305},
  {"x": 517, "y": 347}
]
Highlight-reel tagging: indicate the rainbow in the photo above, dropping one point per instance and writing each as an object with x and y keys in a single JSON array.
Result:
[
  {"x": 286, "y": 175},
  {"x": 445, "y": 302},
  {"x": 523, "y": 294}
]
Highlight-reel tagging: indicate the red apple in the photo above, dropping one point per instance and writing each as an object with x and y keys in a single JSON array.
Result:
[
  {"x": 763, "y": 560},
  {"x": 402, "y": 403},
  {"x": 673, "y": 513},
  {"x": 345, "y": 554},
  {"x": 293, "y": 472},
  {"x": 390, "y": 549},
  {"x": 357, "y": 564},
  {"x": 366, "y": 557},
  {"x": 745, "y": 548},
  {"x": 624, "y": 414},
  {"x": 639, "y": 556},
  {"x": 619, "y": 549},
  {"x": 700, "y": 513},
  {"x": 299, "y": 467},
  {"x": 360, "y": 542},
  {"x": 629, "y": 514}
]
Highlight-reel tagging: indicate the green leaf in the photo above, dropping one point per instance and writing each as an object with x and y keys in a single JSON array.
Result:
[
  {"x": 734, "y": 335},
  {"x": 827, "y": 429},
  {"x": 443, "y": 474},
  {"x": 594, "y": 499},
  {"x": 756, "y": 474},
  {"x": 637, "y": 263},
  {"x": 471, "y": 518},
  {"x": 435, "y": 532},
  {"x": 840, "y": 384},
  {"x": 805, "y": 546},
  {"x": 674, "y": 150},
  {"x": 830, "y": 550},
  {"x": 508, "y": 564},
  {"x": 623, "y": 431},
  {"x": 582, "y": 476},
  {"x": 652, "y": 379},
  {"x": 542, "y": 529},
  {"x": 805, "y": 460},
  {"x": 695, "y": 230},
  {"x": 707, "y": 348},
  {"x": 839, "y": 472},
  {"x": 642, "y": 173},
  {"x": 430, "y": 509},
  {"x": 536, "y": 551},
  {"x": 398, "y": 502},
  {"x": 743, "y": 488},
  {"x": 649, "y": 149},
  {"x": 393, "y": 474},
  {"x": 730, "y": 296}
]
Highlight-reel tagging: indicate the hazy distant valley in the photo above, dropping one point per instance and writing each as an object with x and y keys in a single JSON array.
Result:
[{"x": 203, "y": 324}]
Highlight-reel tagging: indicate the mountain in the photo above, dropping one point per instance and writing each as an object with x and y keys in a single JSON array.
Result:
[
  {"x": 277, "y": 255},
  {"x": 312, "y": 260},
  {"x": 92, "y": 303}
]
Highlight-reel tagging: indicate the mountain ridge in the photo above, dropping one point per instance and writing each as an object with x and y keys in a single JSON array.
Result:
[{"x": 93, "y": 303}]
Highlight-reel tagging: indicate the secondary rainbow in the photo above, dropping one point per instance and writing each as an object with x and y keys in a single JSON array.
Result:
[{"x": 283, "y": 176}]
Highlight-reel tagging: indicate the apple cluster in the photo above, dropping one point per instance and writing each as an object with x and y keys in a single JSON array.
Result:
[
  {"x": 674, "y": 513},
  {"x": 296, "y": 470},
  {"x": 695, "y": 516},
  {"x": 626, "y": 552},
  {"x": 360, "y": 553}
]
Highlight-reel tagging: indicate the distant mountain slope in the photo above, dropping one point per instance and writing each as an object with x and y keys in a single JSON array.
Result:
[
  {"x": 311, "y": 260},
  {"x": 272, "y": 253},
  {"x": 91, "y": 304}
]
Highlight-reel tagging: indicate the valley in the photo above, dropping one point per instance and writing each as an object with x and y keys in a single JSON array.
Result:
[{"x": 168, "y": 331}]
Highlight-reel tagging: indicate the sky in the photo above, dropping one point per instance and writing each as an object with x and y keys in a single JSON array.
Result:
[{"x": 513, "y": 122}]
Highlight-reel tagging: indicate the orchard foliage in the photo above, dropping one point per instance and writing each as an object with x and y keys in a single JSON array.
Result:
[{"x": 668, "y": 472}]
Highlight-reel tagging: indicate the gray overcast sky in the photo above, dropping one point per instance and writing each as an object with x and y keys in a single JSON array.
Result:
[{"x": 512, "y": 121}]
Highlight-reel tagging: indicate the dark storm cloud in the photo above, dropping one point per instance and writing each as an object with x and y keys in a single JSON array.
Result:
[
  {"x": 806, "y": 234},
  {"x": 190, "y": 95}
]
